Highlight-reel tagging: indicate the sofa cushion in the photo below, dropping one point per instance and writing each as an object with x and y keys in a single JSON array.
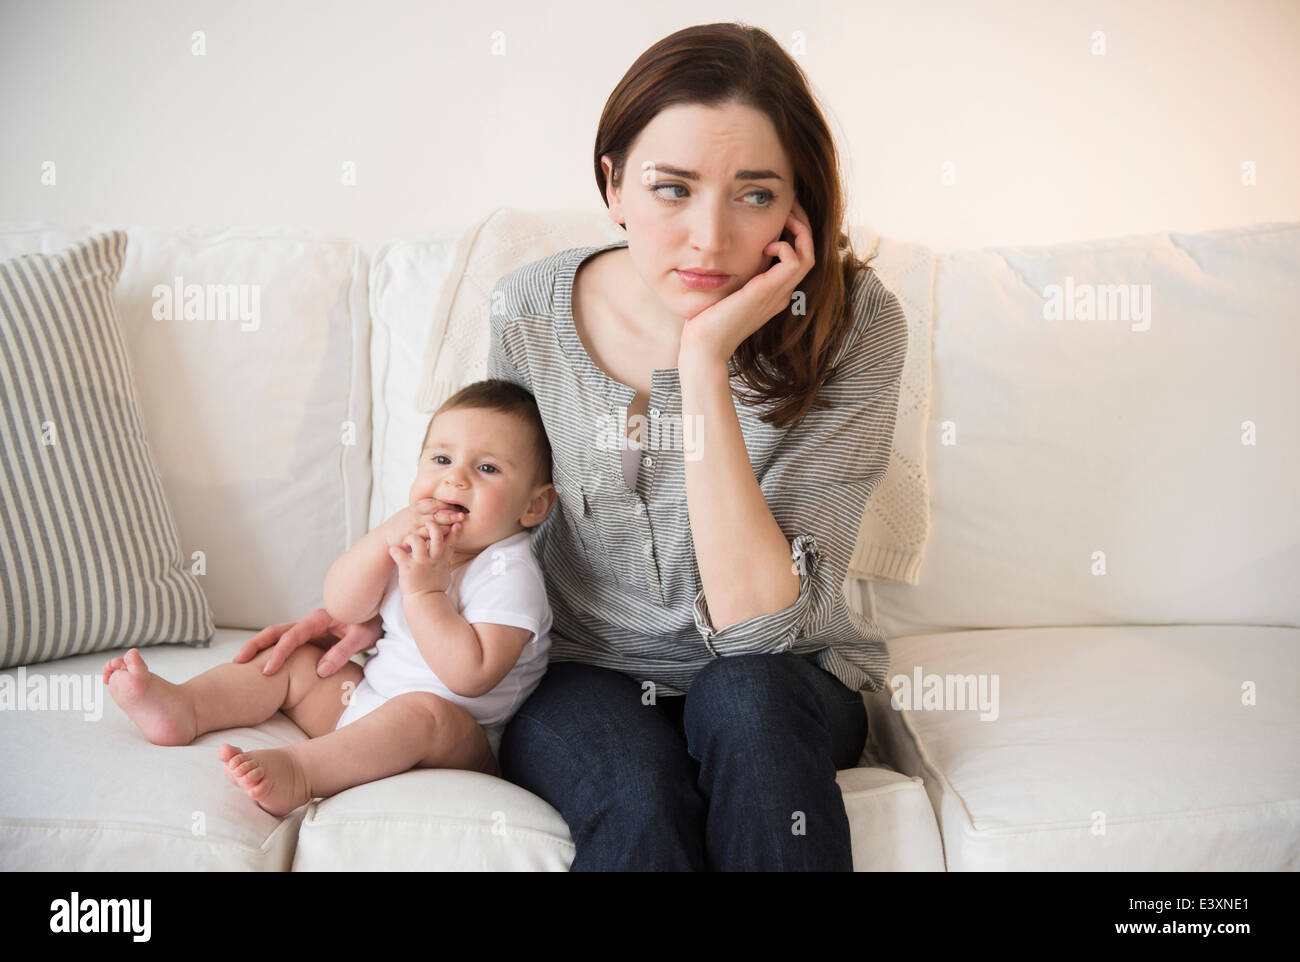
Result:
[
  {"x": 454, "y": 821},
  {"x": 406, "y": 279},
  {"x": 254, "y": 387},
  {"x": 1134, "y": 748},
  {"x": 433, "y": 821},
  {"x": 95, "y": 795},
  {"x": 89, "y": 554},
  {"x": 1120, "y": 470},
  {"x": 895, "y": 527}
]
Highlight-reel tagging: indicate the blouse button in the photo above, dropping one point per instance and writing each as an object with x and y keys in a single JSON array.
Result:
[
  {"x": 654, "y": 412},
  {"x": 640, "y": 508},
  {"x": 648, "y": 549},
  {"x": 647, "y": 461}
]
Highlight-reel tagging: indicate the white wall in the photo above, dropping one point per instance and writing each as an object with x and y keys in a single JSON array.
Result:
[{"x": 1049, "y": 142}]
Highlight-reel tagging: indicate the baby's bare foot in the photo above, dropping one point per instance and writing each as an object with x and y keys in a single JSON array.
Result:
[
  {"x": 272, "y": 777},
  {"x": 161, "y": 710}
]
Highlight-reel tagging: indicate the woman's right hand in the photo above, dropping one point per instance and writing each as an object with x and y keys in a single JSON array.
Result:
[{"x": 340, "y": 640}]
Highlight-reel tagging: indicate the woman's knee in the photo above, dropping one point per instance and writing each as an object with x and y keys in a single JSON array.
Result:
[
  {"x": 598, "y": 739},
  {"x": 628, "y": 780},
  {"x": 746, "y": 695},
  {"x": 752, "y": 684},
  {"x": 772, "y": 704},
  {"x": 571, "y": 688}
]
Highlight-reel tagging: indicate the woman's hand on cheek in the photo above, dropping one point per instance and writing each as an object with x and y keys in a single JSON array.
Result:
[{"x": 712, "y": 336}]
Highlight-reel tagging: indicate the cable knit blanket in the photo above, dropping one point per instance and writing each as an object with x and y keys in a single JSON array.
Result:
[{"x": 893, "y": 530}]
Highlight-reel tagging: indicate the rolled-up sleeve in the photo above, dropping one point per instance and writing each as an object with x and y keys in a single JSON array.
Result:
[{"x": 820, "y": 478}]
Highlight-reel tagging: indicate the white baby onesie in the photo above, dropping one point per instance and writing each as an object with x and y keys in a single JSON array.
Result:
[{"x": 503, "y": 585}]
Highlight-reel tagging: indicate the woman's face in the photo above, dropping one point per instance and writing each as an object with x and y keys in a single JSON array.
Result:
[{"x": 706, "y": 188}]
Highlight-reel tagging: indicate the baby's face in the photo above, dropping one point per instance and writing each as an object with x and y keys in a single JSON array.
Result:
[{"x": 484, "y": 462}]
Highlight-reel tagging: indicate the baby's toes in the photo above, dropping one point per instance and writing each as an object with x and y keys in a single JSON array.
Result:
[
  {"x": 259, "y": 787},
  {"x": 229, "y": 754},
  {"x": 235, "y": 770},
  {"x": 110, "y": 666},
  {"x": 244, "y": 770}
]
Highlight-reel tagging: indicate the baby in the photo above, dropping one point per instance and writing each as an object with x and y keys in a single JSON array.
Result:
[{"x": 465, "y": 619}]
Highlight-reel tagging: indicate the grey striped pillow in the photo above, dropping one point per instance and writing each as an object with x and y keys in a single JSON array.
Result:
[{"x": 89, "y": 555}]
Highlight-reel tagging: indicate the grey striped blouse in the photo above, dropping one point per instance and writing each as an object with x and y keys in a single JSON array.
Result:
[{"x": 619, "y": 562}]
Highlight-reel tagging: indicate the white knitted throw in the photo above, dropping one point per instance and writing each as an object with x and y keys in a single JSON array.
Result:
[{"x": 893, "y": 530}]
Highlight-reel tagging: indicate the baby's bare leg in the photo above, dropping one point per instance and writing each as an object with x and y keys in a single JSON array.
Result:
[
  {"x": 228, "y": 696},
  {"x": 235, "y": 695},
  {"x": 417, "y": 729}
]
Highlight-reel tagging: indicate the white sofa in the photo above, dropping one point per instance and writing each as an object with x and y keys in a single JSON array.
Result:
[{"x": 1114, "y": 554}]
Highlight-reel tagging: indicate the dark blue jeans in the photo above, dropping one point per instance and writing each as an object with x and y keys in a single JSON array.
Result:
[{"x": 736, "y": 775}]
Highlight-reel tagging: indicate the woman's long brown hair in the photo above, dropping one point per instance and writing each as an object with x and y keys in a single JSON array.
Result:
[{"x": 785, "y": 361}]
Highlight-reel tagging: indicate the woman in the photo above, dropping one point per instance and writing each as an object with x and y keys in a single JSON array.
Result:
[{"x": 706, "y": 673}]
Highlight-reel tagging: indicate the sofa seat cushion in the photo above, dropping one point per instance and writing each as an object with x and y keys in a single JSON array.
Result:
[
  {"x": 454, "y": 821},
  {"x": 88, "y": 792},
  {"x": 1131, "y": 748},
  {"x": 433, "y": 820},
  {"x": 93, "y": 794}
]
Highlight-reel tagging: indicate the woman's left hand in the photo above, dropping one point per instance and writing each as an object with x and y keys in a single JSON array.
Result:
[{"x": 712, "y": 336}]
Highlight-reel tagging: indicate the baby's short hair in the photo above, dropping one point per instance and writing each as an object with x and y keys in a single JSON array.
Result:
[{"x": 497, "y": 394}]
